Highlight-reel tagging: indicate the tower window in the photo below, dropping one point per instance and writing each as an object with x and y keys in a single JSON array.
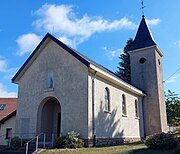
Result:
[
  {"x": 142, "y": 60},
  {"x": 159, "y": 61}
]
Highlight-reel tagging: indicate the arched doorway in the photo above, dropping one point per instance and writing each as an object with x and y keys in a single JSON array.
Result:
[{"x": 51, "y": 118}]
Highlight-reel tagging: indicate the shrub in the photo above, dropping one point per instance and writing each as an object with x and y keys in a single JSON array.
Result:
[
  {"x": 177, "y": 150},
  {"x": 60, "y": 142},
  {"x": 71, "y": 140},
  {"x": 178, "y": 138},
  {"x": 15, "y": 142},
  {"x": 161, "y": 141},
  {"x": 80, "y": 143}
]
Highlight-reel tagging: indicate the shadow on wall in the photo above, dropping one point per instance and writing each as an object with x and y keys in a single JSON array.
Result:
[{"x": 108, "y": 124}]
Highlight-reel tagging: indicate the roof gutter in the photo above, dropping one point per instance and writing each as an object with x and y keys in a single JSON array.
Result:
[{"x": 117, "y": 81}]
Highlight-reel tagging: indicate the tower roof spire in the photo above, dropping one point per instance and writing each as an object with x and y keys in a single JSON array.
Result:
[{"x": 143, "y": 36}]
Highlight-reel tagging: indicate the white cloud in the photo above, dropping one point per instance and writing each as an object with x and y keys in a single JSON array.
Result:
[
  {"x": 111, "y": 54},
  {"x": 27, "y": 43},
  {"x": 153, "y": 22},
  {"x": 177, "y": 43},
  {"x": 10, "y": 72},
  {"x": 5, "y": 93},
  {"x": 3, "y": 65},
  {"x": 62, "y": 21},
  {"x": 72, "y": 41},
  {"x": 173, "y": 79}
]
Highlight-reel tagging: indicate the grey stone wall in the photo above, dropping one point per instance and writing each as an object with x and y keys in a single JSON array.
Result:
[
  {"x": 147, "y": 76},
  {"x": 70, "y": 89},
  {"x": 114, "y": 124}
]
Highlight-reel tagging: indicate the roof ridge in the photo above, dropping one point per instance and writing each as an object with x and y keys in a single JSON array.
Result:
[{"x": 82, "y": 58}]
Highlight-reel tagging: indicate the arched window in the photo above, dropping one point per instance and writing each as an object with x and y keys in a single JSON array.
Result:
[
  {"x": 107, "y": 100},
  {"x": 136, "y": 109},
  {"x": 124, "y": 112},
  {"x": 49, "y": 80}
]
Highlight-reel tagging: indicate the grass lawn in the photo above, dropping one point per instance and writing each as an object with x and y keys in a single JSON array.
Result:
[{"x": 123, "y": 149}]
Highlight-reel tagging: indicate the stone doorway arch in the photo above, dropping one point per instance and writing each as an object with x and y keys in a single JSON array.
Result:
[{"x": 49, "y": 118}]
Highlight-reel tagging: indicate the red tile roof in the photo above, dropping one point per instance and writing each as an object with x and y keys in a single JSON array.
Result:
[{"x": 9, "y": 109}]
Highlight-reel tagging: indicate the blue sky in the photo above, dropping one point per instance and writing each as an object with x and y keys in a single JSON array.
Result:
[{"x": 98, "y": 29}]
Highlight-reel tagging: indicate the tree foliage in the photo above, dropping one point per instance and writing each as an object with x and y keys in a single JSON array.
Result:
[
  {"x": 123, "y": 69},
  {"x": 173, "y": 108}
]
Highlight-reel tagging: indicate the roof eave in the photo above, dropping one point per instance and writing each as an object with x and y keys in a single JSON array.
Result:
[
  {"x": 119, "y": 81},
  {"x": 146, "y": 48},
  {"x": 40, "y": 46},
  {"x": 30, "y": 59},
  {"x": 2, "y": 121},
  {"x": 159, "y": 51}
]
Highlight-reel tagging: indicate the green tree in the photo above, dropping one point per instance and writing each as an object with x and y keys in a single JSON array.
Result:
[
  {"x": 173, "y": 108},
  {"x": 123, "y": 68}
]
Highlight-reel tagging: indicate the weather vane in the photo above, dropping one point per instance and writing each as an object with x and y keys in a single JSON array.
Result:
[{"x": 142, "y": 3}]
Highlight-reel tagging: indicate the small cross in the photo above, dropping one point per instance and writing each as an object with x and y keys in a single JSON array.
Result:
[{"x": 142, "y": 3}]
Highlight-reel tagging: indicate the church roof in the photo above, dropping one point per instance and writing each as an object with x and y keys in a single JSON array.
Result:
[
  {"x": 85, "y": 60},
  {"x": 143, "y": 37}
]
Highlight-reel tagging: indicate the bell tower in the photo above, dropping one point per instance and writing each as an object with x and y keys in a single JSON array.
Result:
[{"x": 147, "y": 75}]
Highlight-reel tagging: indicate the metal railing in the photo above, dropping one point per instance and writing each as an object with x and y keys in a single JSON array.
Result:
[
  {"x": 41, "y": 140},
  {"x": 22, "y": 136},
  {"x": 37, "y": 139},
  {"x": 37, "y": 142}
]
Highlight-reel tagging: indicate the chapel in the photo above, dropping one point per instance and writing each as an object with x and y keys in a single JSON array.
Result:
[{"x": 60, "y": 90}]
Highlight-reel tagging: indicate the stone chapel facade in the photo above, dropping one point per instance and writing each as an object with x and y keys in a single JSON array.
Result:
[{"x": 60, "y": 90}]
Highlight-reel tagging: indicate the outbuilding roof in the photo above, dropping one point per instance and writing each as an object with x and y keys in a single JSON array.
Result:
[{"x": 7, "y": 108}]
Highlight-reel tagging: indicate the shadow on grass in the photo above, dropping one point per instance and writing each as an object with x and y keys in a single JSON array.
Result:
[
  {"x": 149, "y": 151},
  {"x": 134, "y": 143},
  {"x": 122, "y": 144}
]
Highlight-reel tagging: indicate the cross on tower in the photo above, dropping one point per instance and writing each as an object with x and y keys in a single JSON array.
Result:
[{"x": 142, "y": 3}]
